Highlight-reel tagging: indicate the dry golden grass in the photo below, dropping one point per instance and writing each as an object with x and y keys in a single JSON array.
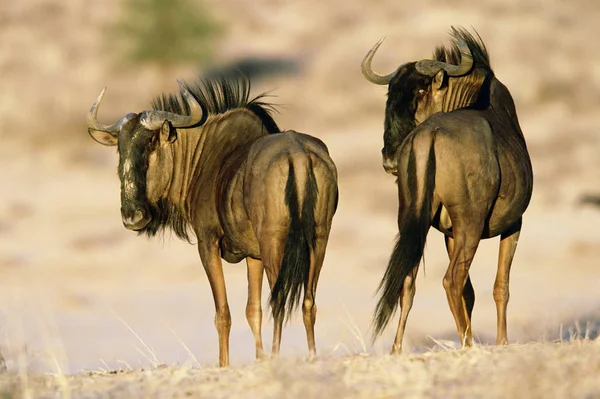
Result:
[
  {"x": 66, "y": 262},
  {"x": 537, "y": 370}
]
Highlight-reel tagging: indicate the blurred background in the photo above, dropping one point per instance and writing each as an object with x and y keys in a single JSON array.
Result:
[{"x": 78, "y": 291}]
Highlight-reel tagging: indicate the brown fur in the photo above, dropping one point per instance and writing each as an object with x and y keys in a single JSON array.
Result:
[
  {"x": 246, "y": 192},
  {"x": 463, "y": 167}
]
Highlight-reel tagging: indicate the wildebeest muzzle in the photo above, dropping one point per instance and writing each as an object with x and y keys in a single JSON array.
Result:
[
  {"x": 135, "y": 217},
  {"x": 389, "y": 161}
]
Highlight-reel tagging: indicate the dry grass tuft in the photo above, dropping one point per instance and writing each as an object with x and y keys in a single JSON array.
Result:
[{"x": 537, "y": 370}]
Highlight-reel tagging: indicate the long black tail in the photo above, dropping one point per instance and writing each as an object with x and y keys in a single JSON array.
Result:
[
  {"x": 410, "y": 243},
  {"x": 300, "y": 241}
]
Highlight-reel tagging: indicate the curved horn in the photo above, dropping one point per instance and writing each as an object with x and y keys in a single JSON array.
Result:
[
  {"x": 368, "y": 72},
  {"x": 153, "y": 120},
  {"x": 92, "y": 118},
  {"x": 431, "y": 67}
]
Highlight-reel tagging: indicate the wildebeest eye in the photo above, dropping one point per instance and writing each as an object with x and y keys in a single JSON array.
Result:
[{"x": 153, "y": 144}]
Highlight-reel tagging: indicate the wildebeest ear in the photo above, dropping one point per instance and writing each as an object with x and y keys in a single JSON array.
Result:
[
  {"x": 167, "y": 133},
  {"x": 439, "y": 79},
  {"x": 104, "y": 138}
]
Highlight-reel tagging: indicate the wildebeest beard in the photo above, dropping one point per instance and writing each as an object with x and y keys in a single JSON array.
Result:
[
  {"x": 397, "y": 126},
  {"x": 163, "y": 214}
]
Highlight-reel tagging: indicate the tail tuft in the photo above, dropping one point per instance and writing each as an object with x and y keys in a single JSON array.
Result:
[
  {"x": 300, "y": 241},
  {"x": 410, "y": 244}
]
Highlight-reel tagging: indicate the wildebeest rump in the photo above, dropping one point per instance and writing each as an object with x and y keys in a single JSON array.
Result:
[
  {"x": 217, "y": 165},
  {"x": 452, "y": 138}
]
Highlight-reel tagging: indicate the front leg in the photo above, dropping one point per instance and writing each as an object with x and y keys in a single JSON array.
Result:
[{"x": 211, "y": 260}]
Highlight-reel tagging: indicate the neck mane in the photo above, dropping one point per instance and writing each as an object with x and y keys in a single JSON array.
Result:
[
  {"x": 463, "y": 91},
  {"x": 233, "y": 121}
]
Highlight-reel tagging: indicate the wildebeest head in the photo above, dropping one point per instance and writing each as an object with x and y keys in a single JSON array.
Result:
[
  {"x": 417, "y": 90},
  {"x": 144, "y": 171}
]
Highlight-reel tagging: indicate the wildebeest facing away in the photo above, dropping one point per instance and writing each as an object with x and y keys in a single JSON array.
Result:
[
  {"x": 216, "y": 163},
  {"x": 453, "y": 139}
]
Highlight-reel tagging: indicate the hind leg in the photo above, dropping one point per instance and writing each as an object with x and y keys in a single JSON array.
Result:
[
  {"x": 406, "y": 301},
  {"x": 309, "y": 307},
  {"x": 508, "y": 246},
  {"x": 253, "y": 307},
  {"x": 466, "y": 241},
  {"x": 271, "y": 250},
  {"x": 277, "y": 323},
  {"x": 468, "y": 291}
]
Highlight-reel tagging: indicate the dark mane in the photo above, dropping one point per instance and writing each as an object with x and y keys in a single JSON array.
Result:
[
  {"x": 494, "y": 95},
  {"x": 451, "y": 54},
  {"x": 219, "y": 95}
]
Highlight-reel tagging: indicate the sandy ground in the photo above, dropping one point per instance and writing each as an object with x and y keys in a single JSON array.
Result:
[
  {"x": 518, "y": 371},
  {"x": 79, "y": 292}
]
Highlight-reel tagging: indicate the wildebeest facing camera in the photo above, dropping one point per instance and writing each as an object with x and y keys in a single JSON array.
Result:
[{"x": 236, "y": 161}]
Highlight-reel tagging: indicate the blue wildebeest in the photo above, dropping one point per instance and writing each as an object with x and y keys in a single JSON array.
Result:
[
  {"x": 453, "y": 139},
  {"x": 216, "y": 164}
]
